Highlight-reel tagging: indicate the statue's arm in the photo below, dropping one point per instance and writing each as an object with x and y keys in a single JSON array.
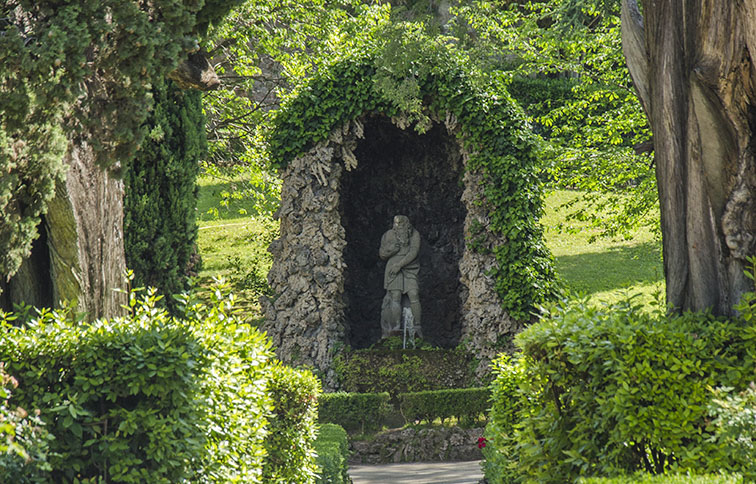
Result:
[
  {"x": 414, "y": 249},
  {"x": 387, "y": 247}
]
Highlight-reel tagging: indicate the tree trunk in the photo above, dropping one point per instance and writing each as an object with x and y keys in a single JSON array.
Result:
[
  {"x": 85, "y": 237},
  {"x": 79, "y": 256},
  {"x": 692, "y": 63}
]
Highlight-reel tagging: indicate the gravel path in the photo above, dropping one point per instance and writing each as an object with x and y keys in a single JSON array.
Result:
[{"x": 418, "y": 473}]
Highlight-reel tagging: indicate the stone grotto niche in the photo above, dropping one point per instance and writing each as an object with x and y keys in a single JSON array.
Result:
[
  {"x": 420, "y": 176},
  {"x": 337, "y": 199}
]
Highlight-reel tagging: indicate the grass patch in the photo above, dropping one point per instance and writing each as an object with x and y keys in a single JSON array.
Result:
[
  {"x": 605, "y": 270},
  {"x": 233, "y": 241}
]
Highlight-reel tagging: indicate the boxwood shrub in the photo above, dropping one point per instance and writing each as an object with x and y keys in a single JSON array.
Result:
[
  {"x": 354, "y": 411},
  {"x": 332, "y": 448},
  {"x": 666, "y": 479},
  {"x": 463, "y": 403},
  {"x": 292, "y": 427},
  {"x": 153, "y": 398},
  {"x": 610, "y": 391}
]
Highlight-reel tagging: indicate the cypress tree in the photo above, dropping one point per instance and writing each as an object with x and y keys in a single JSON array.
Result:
[{"x": 160, "y": 230}]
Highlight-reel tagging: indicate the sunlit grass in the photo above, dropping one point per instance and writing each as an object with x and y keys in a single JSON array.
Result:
[
  {"x": 606, "y": 270},
  {"x": 233, "y": 244}
]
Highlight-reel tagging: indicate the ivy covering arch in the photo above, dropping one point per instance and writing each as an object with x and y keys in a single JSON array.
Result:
[{"x": 415, "y": 81}]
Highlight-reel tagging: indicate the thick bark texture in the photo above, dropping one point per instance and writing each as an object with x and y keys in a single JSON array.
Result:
[{"x": 693, "y": 65}]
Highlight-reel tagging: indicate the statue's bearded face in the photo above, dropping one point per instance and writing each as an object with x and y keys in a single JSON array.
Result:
[{"x": 402, "y": 227}]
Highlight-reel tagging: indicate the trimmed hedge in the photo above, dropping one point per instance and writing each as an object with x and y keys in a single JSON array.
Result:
[
  {"x": 291, "y": 430},
  {"x": 152, "y": 398},
  {"x": 363, "y": 411},
  {"x": 332, "y": 448},
  {"x": 462, "y": 403},
  {"x": 666, "y": 479},
  {"x": 401, "y": 371},
  {"x": 610, "y": 391}
]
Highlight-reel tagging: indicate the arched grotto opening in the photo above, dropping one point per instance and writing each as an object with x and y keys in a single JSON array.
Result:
[{"x": 401, "y": 172}]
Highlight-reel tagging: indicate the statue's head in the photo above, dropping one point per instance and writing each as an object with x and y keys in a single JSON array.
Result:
[{"x": 402, "y": 224}]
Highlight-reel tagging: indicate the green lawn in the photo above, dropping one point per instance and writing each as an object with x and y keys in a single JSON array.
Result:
[
  {"x": 233, "y": 244},
  {"x": 605, "y": 270}
]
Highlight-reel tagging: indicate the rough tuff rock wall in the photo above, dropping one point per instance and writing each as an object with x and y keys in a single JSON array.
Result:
[
  {"x": 307, "y": 319},
  {"x": 486, "y": 328}
]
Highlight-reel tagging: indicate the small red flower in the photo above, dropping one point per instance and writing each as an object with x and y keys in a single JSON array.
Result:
[{"x": 482, "y": 442}]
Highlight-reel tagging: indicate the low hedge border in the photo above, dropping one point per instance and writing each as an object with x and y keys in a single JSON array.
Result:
[
  {"x": 364, "y": 411},
  {"x": 666, "y": 479},
  {"x": 332, "y": 449},
  {"x": 462, "y": 403}
]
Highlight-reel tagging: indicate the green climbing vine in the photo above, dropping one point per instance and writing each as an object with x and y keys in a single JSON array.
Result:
[{"x": 411, "y": 75}]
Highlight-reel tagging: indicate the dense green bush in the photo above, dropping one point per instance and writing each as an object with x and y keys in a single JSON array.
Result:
[
  {"x": 332, "y": 448},
  {"x": 291, "y": 431},
  {"x": 666, "y": 479},
  {"x": 147, "y": 397},
  {"x": 609, "y": 391},
  {"x": 160, "y": 196},
  {"x": 363, "y": 411},
  {"x": 400, "y": 371},
  {"x": 507, "y": 405},
  {"x": 735, "y": 426},
  {"x": 462, "y": 403},
  {"x": 24, "y": 441}
]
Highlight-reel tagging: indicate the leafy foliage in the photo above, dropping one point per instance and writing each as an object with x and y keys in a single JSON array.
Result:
[
  {"x": 291, "y": 431},
  {"x": 604, "y": 392},
  {"x": 400, "y": 371},
  {"x": 666, "y": 479},
  {"x": 24, "y": 441},
  {"x": 562, "y": 59},
  {"x": 364, "y": 411},
  {"x": 161, "y": 194},
  {"x": 146, "y": 398},
  {"x": 80, "y": 71},
  {"x": 735, "y": 427},
  {"x": 463, "y": 403},
  {"x": 411, "y": 76},
  {"x": 332, "y": 448}
]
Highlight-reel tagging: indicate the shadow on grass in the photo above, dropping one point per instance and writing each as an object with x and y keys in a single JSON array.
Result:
[{"x": 612, "y": 268}]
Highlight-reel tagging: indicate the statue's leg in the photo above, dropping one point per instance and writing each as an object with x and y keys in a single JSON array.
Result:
[
  {"x": 414, "y": 299},
  {"x": 396, "y": 309},
  {"x": 386, "y": 316}
]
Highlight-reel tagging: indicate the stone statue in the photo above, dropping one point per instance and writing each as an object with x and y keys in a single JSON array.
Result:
[{"x": 399, "y": 248}]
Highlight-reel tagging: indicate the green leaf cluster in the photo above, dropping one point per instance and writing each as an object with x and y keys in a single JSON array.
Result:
[
  {"x": 77, "y": 71},
  {"x": 154, "y": 398},
  {"x": 734, "y": 424},
  {"x": 406, "y": 74},
  {"x": 641, "y": 478},
  {"x": 610, "y": 391},
  {"x": 160, "y": 195},
  {"x": 332, "y": 448},
  {"x": 292, "y": 426},
  {"x": 562, "y": 60},
  {"x": 24, "y": 440},
  {"x": 466, "y": 404},
  {"x": 363, "y": 411},
  {"x": 399, "y": 371}
]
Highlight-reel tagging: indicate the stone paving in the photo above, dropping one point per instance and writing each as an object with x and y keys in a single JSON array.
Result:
[{"x": 418, "y": 473}]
